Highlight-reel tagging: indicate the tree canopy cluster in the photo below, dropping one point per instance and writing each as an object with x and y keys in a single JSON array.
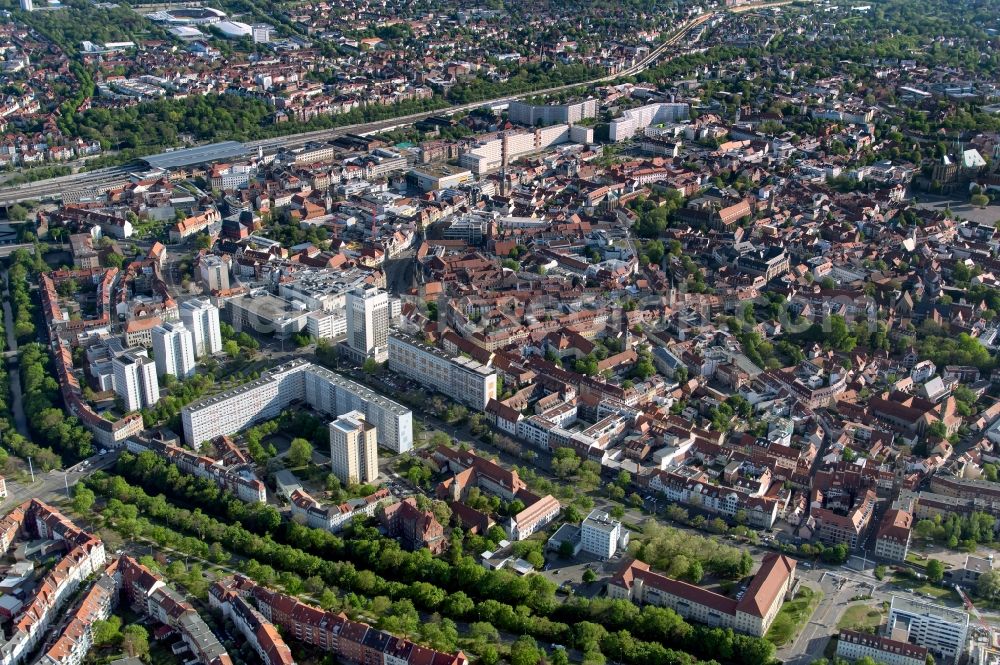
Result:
[{"x": 366, "y": 563}]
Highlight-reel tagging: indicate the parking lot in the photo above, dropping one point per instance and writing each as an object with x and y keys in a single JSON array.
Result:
[{"x": 568, "y": 573}]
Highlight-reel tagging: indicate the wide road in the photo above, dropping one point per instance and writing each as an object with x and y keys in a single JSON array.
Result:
[
  {"x": 108, "y": 178},
  {"x": 52, "y": 485}
]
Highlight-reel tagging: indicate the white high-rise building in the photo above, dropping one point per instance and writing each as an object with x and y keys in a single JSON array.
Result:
[
  {"x": 135, "y": 379},
  {"x": 173, "y": 350},
  {"x": 368, "y": 322},
  {"x": 27, "y": 5},
  {"x": 353, "y": 450},
  {"x": 202, "y": 318}
]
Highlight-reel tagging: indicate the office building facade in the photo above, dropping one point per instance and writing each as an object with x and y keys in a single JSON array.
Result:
[
  {"x": 601, "y": 536},
  {"x": 942, "y": 630}
]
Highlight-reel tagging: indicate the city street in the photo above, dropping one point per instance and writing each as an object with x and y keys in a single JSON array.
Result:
[
  {"x": 54, "y": 484},
  {"x": 838, "y": 589}
]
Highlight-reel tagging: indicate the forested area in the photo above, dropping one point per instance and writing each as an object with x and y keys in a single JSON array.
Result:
[{"x": 367, "y": 564}]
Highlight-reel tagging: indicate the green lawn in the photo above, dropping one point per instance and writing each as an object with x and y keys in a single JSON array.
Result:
[
  {"x": 793, "y": 616},
  {"x": 861, "y": 617},
  {"x": 924, "y": 588}
]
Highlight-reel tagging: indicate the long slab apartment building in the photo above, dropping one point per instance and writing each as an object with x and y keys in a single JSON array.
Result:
[
  {"x": 296, "y": 381},
  {"x": 463, "y": 379}
]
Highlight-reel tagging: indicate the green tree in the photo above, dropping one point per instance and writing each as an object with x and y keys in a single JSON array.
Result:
[
  {"x": 937, "y": 429},
  {"x": 525, "y": 651},
  {"x": 935, "y": 570},
  {"x": 108, "y": 631},
  {"x": 135, "y": 641},
  {"x": 988, "y": 585},
  {"x": 299, "y": 452},
  {"x": 565, "y": 462},
  {"x": 83, "y": 499}
]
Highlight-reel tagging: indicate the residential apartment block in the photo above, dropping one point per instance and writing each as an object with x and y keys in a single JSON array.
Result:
[
  {"x": 753, "y": 614},
  {"x": 260, "y": 633},
  {"x": 351, "y": 641},
  {"x": 202, "y": 318},
  {"x": 148, "y": 594},
  {"x": 852, "y": 645},
  {"x": 84, "y": 555},
  {"x": 893, "y": 539},
  {"x": 134, "y": 379},
  {"x": 353, "y": 451},
  {"x": 844, "y": 518},
  {"x": 77, "y": 638},
  {"x": 638, "y": 119},
  {"x": 230, "y": 470},
  {"x": 463, "y": 379},
  {"x": 551, "y": 114},
  {"x": 173, "y": 350},
  {"x": 296, "y": 381}
]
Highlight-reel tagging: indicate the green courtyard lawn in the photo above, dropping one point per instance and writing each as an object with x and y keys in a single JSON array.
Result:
[
  {"x": 793, "y": 616},
  {"x": 861, "y": 617}
]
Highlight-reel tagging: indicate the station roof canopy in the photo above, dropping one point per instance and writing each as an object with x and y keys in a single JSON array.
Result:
[{"x": 203, "y": 154}]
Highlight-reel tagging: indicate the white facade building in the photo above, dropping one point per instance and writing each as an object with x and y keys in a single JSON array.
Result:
[
  {"x": 942, "y": 630},
  {"x": 368, "y": 322},
  {"x": 173, "y": 350},
  {"x": 214, "y": 272},
  {"x": 634, "y": 121},
  {"x": 463, "y": 379},
  {"x": 297, "y": 381},
  {"x": 202, "y": 318},
  {"x": 326, "y": 325},
  {"x": 601, "y": 536},
  {"x": 135, "y": 379}
]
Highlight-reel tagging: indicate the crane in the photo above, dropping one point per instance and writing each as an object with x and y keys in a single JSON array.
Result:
[{"x": 971, "y": 609}]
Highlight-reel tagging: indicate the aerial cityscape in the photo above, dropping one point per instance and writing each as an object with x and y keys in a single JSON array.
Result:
[{"x": 445, "y": 332}]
